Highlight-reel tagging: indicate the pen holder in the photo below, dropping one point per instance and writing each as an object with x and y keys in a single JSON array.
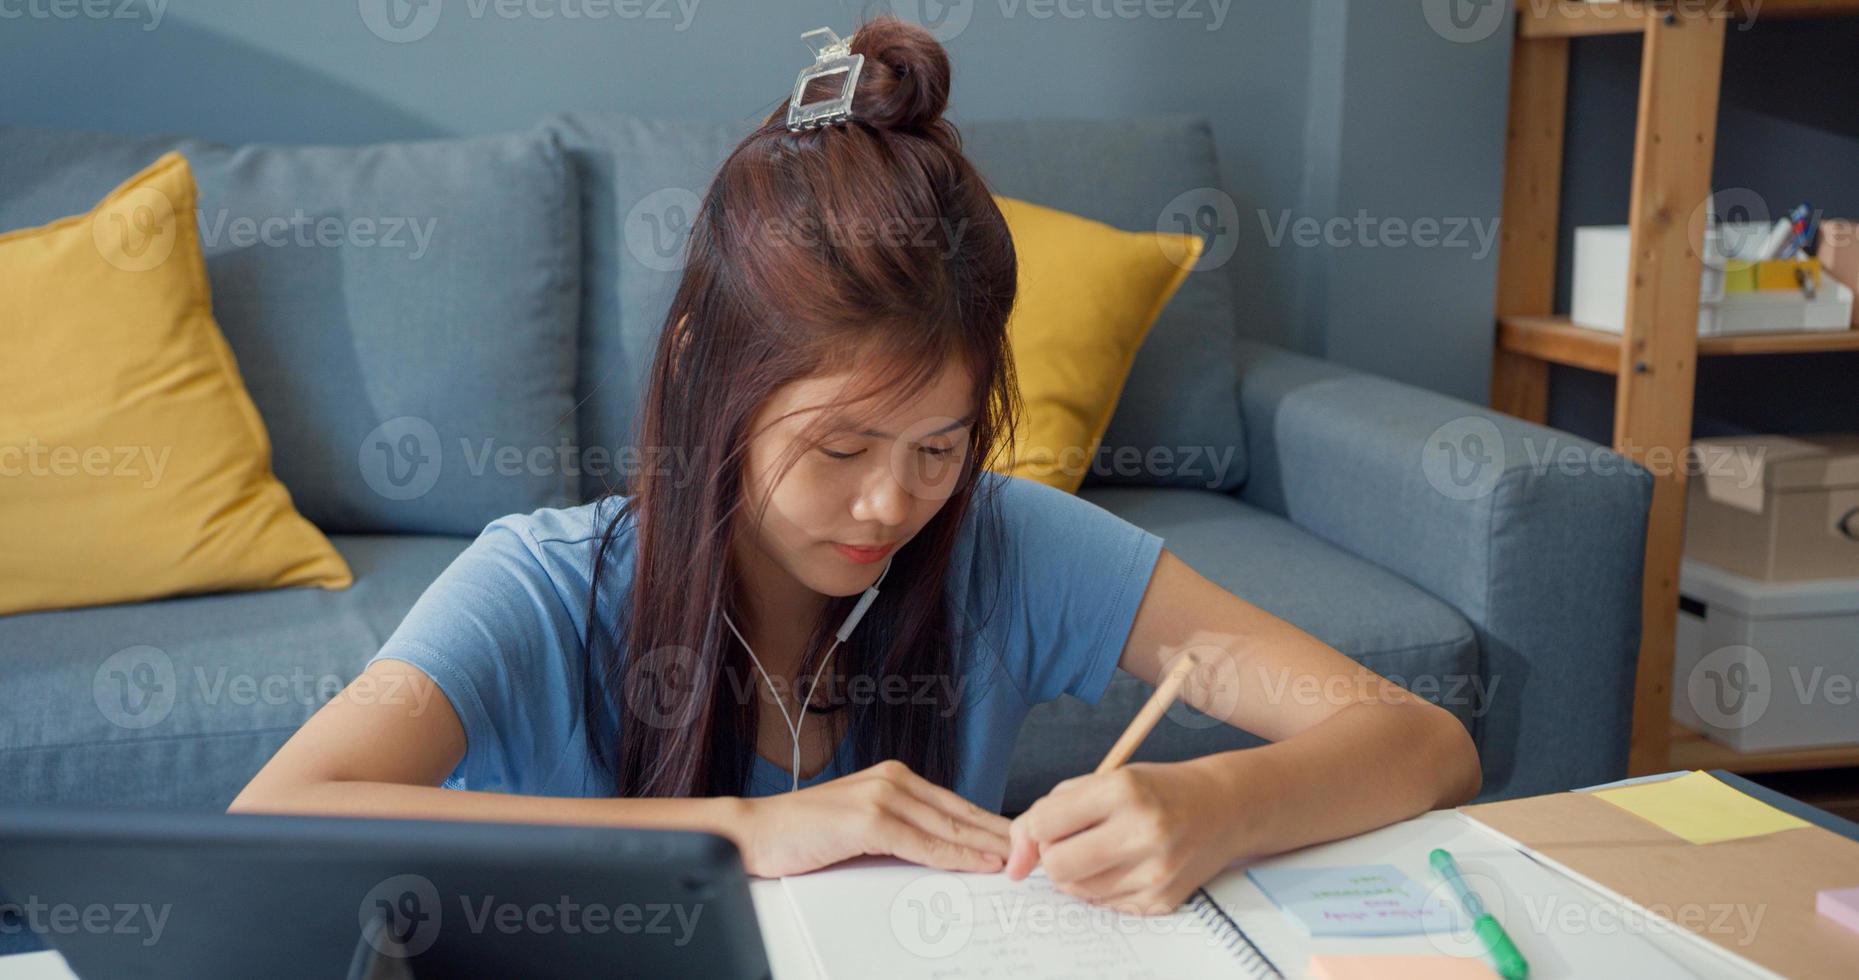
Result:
[{"x": 1786, "y": 273}]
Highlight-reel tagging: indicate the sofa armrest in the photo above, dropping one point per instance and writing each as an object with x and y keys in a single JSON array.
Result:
[{"x": 1535, "y": 536}]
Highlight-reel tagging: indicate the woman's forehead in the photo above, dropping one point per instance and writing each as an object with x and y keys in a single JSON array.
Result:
[{"x": 872, "y": 396}]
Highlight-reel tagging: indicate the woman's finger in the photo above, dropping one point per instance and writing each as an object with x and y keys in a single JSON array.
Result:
[
  {"x": 947, "y": 826},
  {"x": 1054, "y": 817},
  {"x": 957, "y": 806},
  {"x": 902, "y": 839},
  {"x": 1090, "y": 858}
]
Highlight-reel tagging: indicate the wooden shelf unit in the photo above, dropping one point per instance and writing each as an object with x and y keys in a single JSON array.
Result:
[
  {"x": 1654, "y": 358},
  {"x": 1691, "y": 750},
  {"x": 1556, "y": 340}
]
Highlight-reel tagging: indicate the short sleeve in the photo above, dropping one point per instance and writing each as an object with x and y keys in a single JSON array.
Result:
[
  {"x": 494, "y": 633},
  {"x": 1076, "y": 574}
]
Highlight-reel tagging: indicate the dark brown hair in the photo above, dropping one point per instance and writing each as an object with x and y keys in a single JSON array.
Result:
[{"x": 873, "y": 243}]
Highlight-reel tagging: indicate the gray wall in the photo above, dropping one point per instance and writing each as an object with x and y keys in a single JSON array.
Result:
[{"x": 1324, "y": 109}]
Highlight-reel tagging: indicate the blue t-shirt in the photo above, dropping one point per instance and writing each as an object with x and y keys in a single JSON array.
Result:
[{"x": 501, "y": 630}]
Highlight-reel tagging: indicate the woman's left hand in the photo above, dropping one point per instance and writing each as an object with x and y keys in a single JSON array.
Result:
[{"x": 1140, "y": 838}]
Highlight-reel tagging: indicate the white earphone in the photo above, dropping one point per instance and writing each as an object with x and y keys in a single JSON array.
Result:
[{"x": 845, "y": 630}]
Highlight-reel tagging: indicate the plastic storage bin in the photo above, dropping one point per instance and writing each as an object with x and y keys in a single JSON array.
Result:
[
  {"x": 1598, "y": 295},
  {"x": 1767, "y": 665}
]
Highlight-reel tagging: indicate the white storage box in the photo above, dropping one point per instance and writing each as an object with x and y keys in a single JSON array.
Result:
[
  {"x": 1767, "y": 665},
  {"x": 1598, "y": 294}
]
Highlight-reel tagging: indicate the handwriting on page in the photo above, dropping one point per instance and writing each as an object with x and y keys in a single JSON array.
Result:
[
  {"x": 1031, "y": 929},
  {"x": 933, "y": 925},
  {"x": 1371, "y": 900}
]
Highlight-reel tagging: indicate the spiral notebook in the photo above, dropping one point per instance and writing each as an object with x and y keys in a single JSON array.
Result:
[
  {"x": 884, "y": 917},
  {"x": 922, "y": 923}
]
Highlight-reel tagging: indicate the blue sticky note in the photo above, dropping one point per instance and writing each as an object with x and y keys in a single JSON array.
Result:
[{"x": 1365, "y": 900}]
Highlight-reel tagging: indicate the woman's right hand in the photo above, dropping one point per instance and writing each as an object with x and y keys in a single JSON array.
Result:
[{"x": 884, "y": 809}]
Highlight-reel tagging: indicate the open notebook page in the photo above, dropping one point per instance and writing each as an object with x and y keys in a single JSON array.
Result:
[
  {"x": 885, "y": 917},
  {"x": 1562, "y": 927}
]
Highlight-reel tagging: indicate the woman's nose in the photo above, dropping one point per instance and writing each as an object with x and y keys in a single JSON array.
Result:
[{"x": 882, "y": 499}]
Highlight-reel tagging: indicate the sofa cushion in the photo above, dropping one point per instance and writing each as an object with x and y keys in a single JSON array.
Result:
[
  {"x": 1367, "y": 612},
  {"x": 1087, "y": 296},
  {"x": 1180, "y": 406},
  {"x": 179, "y": 702},
  {"x": 111, "y": 350},
  {"x": 642, "y": 180},
  {"x": 403, "y": 314}
]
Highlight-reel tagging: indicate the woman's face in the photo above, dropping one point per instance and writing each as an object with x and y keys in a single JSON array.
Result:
[{"x": 871, "y": 481}]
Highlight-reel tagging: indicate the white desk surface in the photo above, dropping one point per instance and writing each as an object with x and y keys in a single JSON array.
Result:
[{"x": 790, "y": 958}]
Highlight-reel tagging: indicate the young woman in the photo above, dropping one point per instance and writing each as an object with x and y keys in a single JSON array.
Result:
[{"x": 835, "y": 369}]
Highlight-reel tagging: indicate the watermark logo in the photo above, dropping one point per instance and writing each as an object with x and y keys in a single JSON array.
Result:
[
  {"x": 1464, "y": 458},
  {"x": 660, "y": 688},
  {"x": 400, "y": 21},
  {"x": 400, "y": 458},
  {"x": 1474, "y": 235},
  {"x": 32, "y": 914},
  {"x": 658, "y": 228},
  {"x": 1464, "y": 21},
  {"x": 933, "y": 916},
  {"x": 149, "y": 12},
  {"x": 1730, "y": 687},
  {"x": 1214, "y": 680},
  {"x": 408, "y": 233},
  {"x": 1742, "y": 221},
  {"x": 944, "y": 19},
  {"x": 138, "y": 687},
  {"x": 135, "y": 687},
  {"x": 1207, "y": 213},
  {"x": 145, "y": 464},
  {"x": 400, "y": 916},
  {"x": 135, "y": 232}
]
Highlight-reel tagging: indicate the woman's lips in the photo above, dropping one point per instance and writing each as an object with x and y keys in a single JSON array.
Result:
[{"x": 863, "y": 556}]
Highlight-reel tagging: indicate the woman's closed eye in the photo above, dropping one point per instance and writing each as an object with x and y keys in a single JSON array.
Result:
[{"x": 927, "y": 450}]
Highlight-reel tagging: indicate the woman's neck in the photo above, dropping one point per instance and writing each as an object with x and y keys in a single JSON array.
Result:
[{"x": 781, "y": 610}]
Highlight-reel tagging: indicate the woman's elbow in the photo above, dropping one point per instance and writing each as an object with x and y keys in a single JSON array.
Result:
[
  {"x": 266, "y": 793},
  {"x": 251, "y": 799},
  {"x": 1456, "y": 760}
]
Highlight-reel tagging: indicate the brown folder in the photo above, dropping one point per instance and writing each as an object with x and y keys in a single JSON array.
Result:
[{"x": 1715, "y": 890}]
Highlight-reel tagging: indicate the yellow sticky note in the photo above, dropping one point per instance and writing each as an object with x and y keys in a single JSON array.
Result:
[
  {"x": 1328, "y": 967},
  {"x": 1700, "y": 808}
]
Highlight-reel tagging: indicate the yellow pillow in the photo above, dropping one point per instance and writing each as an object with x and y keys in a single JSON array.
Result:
[
  {"x": 1088, "y": 294},
  {"x": 133, "y": 464}
]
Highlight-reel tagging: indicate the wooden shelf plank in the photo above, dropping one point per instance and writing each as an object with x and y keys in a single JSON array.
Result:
[
  {"x": 1578, "y": 18},
  {"x": 1556, "y": 340},
  {"x": 1781, "y": 343},
  {"x": 1690, "y": 750},
  {"x": 1539, "y": 74}
]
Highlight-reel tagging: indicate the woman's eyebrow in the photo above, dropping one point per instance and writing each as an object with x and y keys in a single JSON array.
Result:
[{"x": 958, "y": 424}]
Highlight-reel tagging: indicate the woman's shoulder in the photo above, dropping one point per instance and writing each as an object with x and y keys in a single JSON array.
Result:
[
  {"x": 577, "y": 524},
  {"x": 559, "y": 543}
]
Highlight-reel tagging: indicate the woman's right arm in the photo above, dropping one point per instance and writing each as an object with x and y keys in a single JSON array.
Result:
[{"x": 382, "y": 746}]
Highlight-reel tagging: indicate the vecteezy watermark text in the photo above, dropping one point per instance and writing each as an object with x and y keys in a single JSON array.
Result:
[{"x": 1368, "y": 231}]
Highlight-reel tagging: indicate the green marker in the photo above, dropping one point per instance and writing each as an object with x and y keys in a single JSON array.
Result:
[{"x": 1498, "y": 947}]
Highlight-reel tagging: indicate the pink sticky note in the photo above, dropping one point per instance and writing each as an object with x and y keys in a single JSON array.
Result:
[
  {"x": 1329, "y": 967},
  {"x": 1841, "y": 905}
]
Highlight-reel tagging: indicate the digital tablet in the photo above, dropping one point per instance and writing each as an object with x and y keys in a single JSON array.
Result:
[{"x": 192, "y": 894}]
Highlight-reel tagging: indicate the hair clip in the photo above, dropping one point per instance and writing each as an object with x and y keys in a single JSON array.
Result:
[{"x": 832, "y": 55}]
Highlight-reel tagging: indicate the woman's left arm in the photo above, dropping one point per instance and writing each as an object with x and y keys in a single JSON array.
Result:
[{"x": 1348, "y": 751}]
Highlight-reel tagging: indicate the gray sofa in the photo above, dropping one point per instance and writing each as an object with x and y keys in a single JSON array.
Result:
[{"x": 1316, "y": 492}]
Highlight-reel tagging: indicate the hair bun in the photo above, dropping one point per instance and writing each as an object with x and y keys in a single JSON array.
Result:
[{"x": 905, "y": 81}]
